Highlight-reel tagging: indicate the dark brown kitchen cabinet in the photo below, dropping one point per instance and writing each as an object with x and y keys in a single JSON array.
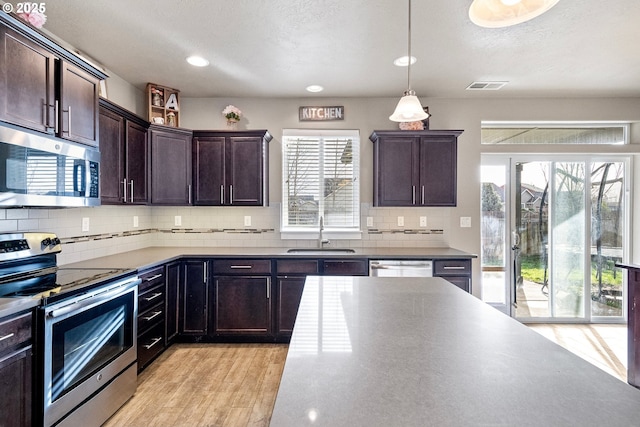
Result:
[
  {"x": 633, "y": 323},
  {"x": 242, "y": 297},
  {"x": 193, "y": 298},
  {"x": 456, "y": 271},
  {"x": 345, "y": 267},
  {"x": 174, "y": 279},
  {"x": 231, "y": 168},
  {"x": 27, "y": 76},
  {"x": 45, "y": 87},
  {"x": 151, "y": 316},
  {"x": 415, "y": 168},
  {"x": 291, "y": 275},
  {"x": 16, "y": 370},
  {"x": 123, "y": 156},
  {"x": 170, "y": 166}
]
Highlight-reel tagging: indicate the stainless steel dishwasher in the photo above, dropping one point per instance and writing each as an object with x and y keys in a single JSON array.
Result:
[{"x": 401, "y": 268}]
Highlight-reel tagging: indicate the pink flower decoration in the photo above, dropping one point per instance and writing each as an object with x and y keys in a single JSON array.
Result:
[{"x": 35, "y": 18}]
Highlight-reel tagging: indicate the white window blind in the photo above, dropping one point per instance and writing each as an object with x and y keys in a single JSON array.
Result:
[{"x": 321, "y": 178}]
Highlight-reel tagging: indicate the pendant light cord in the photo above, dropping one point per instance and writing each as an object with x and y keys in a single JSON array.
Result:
[{"x": 409, "y": 51}]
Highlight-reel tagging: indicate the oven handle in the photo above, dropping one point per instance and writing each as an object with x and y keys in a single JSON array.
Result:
[{"x": 96, "y": 298}]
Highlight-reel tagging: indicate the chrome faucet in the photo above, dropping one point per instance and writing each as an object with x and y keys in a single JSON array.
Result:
[{"x": 321, "y": 240}]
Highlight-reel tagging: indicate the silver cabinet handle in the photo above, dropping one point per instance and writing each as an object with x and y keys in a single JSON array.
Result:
[
  {"x": 131, "y": 195},
  {"x": 189, "y": 193},
  {"x": 422, "y": 196},
  {"x": 148, "y": 279},
  {"x": 413, "y": 194},
  {"x": 268, "y": 288},
  {"x": 231, "y": 194},
  {"x": 204, "y": 272},
  {"x": 245, "y": 267},
  {"x": 69, "y": 120},
  {"x": 6, "y": 336},
  {"x": 222, "y": 194},
  {"x": 154, "y": 342},
  {"x": 124, "y": 190},
  {"x": 154, "y": 296},
  {"x": 453, "y": 268},
  {"x": 56, "y": 114},
  {"x": 153, "y": 316}
]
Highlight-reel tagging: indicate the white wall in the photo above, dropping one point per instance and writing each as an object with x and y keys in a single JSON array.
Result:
[{"x": 364, "y": 114}]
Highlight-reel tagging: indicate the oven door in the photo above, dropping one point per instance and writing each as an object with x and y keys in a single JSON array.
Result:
[{"x": 89, "y": 341}]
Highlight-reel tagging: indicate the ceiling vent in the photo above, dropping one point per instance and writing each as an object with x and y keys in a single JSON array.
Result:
[{"x": 486, "y": 85}]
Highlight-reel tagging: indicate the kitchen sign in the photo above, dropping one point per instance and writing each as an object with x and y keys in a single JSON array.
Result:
[{"x": 321, "y": 114}]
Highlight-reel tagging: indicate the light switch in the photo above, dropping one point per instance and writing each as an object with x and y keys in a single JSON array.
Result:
[
  {"x": 423, "y": 221},
  {"x": 247, "y": 220},
  {"x": 135, "y": 220},
  {"x": 400, "y": 221},
  {"x": 465, "y": 221},
  {"x": 177, "y": 220},
  {"x": 85, "y": 224},
  {"x": 369, "y": 221}
]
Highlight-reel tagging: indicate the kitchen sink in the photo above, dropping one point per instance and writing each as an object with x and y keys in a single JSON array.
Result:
[{"x": 322, "y": 251}]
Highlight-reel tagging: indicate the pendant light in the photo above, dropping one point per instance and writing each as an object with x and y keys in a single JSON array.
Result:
[
  {"x": 409, "y": 108},
  {"x": 504, "y": 13}
]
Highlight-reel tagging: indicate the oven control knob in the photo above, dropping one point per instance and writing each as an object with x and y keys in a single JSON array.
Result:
[
  {"x": 55, "y": 241},
  {"x": 46, "y": 242}
]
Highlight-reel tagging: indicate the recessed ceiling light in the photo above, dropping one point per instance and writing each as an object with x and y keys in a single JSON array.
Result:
[
  {"x": 403, "y": 61},
  {"x": 315, "y": 88},
  {"x": 197, "y": 61}
]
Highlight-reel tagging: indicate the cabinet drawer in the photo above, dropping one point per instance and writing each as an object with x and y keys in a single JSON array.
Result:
[
  {"x": 151, "y": 278},
  {"x": 304, "y": 266},
  {"x": 150, "y": 317},
  {"x": 15, "y": 331},
  {"x": 150, "y": 344},
  {"x": 451, "y": 267},
  {"x": 151, "y": 297},
  {"x": 347, "y": 267},
  {"x": 242, "y": 266}
]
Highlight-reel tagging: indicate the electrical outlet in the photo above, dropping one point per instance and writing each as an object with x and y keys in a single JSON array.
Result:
[
  {"x": 465, "y": 221},
  {"x": 177, "y": 220},
  {"x": 369, "y": 221},
  {"x": 85, "y": 224},
  {"x": 135, "y": 220},
  {"x": 423, "y": 221},
  {"x": 247, "y": 220},
  {"x": 400, "y": 221}
]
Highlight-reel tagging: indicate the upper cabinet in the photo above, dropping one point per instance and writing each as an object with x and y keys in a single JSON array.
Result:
[
  {"x": 123, "y": 156},
  {"x": 231, "y": 168},
  {"x": 415, "y": 168},
  {"x": 44, "y": 87},
  {"x": 170, "y": 166}
]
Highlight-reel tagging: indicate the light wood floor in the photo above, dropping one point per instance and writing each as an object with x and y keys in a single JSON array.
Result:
[
  {"x": 206, "y": 385},
  {"x": 193, "y": 385}
]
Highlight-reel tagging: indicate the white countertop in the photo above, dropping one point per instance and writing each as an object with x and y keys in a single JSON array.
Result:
[{"x": 414, "y": 352}]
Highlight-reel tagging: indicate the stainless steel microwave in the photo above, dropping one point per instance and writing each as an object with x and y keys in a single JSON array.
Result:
[{"x": 41, "y": 171}]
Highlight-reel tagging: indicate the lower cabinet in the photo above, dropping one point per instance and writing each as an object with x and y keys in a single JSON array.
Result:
[
  {"x": 173, "y": 272},
  {"x": 193, "y": 298},
  {"x": 151, "y": 316},
  {"x": 456, "y": 271},
  {"x": 16, "y": 370}
]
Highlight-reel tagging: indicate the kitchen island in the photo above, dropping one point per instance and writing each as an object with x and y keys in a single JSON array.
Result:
[{"x": 414, "y": 352}]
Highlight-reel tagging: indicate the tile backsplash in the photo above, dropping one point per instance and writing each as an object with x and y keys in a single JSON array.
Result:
[{"x": 115, "y": 229}]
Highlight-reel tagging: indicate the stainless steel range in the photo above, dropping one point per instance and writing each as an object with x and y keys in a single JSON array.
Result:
[{"x": 86, "y": 354}]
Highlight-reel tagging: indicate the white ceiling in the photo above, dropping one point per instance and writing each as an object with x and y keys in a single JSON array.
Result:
[{"x": 275, "y": 48}]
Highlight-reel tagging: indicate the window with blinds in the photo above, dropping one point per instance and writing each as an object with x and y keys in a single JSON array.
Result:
[{"x": 321, "y": 179}]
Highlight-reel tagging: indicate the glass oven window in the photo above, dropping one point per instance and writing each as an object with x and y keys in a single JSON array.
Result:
[{"x": 85, "y": 342}]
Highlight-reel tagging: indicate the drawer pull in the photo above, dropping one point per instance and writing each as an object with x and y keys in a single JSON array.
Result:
[
  {"x": 154, "y": 296},
  {"x": 244, "y": 267},
  {"x": 154, "y": 342},
  {"x": 454, "y": 268},
  {"x": 6, "y": 337},
  {"x": 153, "y": 277},
  {"x": 153, "y": 316}
]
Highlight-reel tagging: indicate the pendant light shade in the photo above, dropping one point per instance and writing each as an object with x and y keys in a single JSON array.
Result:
[
  {"x": 409, "y": 108},
  {"x": 504, "y": 13}
]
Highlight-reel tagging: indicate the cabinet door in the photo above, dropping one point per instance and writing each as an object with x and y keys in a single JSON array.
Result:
[
  {"x": 170, "y": 168},
  {"x": 193, "y": 298},
  {"x": 78, "y": 108},
  {"x": 290, "y": 290},
  {"x": 136, "y": 163},
  {"x": 15, "y": 389},
  {"x": 27, "y": 91},
  {"x": 242, "y": 305},
  {"x": 438, "y": 167},
  {"x": 633, "y": 332},
  {"x": 112, "y": 160},
  {"x": 173, "y": 285},
  {"x": 396, "y": 171},
  {"x": 208, "y": 170},
  {"x": 245, "y": 171}
]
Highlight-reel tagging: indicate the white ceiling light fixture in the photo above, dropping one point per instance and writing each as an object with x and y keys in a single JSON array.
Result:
[
  {"x": 403, "y": 61},
  {"x": 314, "y": 88},
  {"x": 409, "y": 108},
  {"x": 504, "y": 13},
  {"x": 197, "y": 61}
]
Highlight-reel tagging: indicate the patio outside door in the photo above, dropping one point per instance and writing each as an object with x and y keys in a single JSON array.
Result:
[{"x": 566, "y": 222}]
